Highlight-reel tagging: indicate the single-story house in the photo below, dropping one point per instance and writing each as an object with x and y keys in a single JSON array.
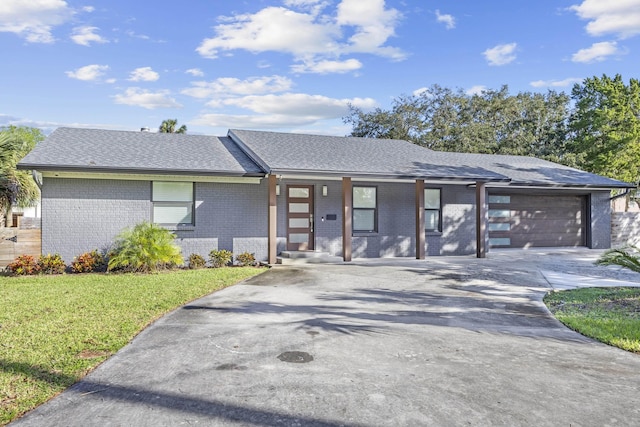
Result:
[{"x": 267, "y": 192}]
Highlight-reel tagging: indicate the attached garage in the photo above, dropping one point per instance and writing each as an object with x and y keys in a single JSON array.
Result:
[{"x": 537, "y": 220}]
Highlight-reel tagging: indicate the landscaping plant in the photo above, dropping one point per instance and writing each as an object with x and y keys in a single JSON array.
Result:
[
  {"x": 145, "y": 248},
  {"x": 51, "y": 264},
  {"x": 24, "y": 265},
  {"x": 196, "y": 261},
  {"x": 625, "y": 257},
  {"x": 220, "y": 258},
  {"x": 246, "y": 259},
  {"x": 88, "y": 262}
]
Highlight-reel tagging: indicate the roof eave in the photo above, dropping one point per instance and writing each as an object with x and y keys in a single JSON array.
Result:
[
  {"x": 140, "y": 171},
  {"x": 513, "y": 184},
  {"x": 385, "y": 176}
]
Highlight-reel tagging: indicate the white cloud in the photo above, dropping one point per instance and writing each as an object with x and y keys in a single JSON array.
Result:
[
  {"x": 299, "y": 104},
  {"x": 476, "y": 90},
  {"x": 312, "y": 36},
  {"x": 88, "y": 73},
  {"x": 501, "y": 54},
  {"x": 374, "y": 25},
  {"x": 250, "y": 121},
  {"x": 272, "y": 29},
  {"x": 48, "y": 126},
  {"x": 196, "y": 72},
  {"x": 420, "y": 91},
  {"x": 448, "y": 20},
  {"x": 596, "y": 53},
  {"x": 146, "y": 99},
  {"x": 231, "y": 86},
  {"x": 285, "y": 110},
  {"x": 620, "y": 17},
  {"x": 86, "y": 35},
  {"x": 143, "y": 74},
  {"x": 556, "y": 83},
  {"x": 88, "y": 9},
  {"x": 326, "y": 67},
  {"x": 33, "y": 20}
]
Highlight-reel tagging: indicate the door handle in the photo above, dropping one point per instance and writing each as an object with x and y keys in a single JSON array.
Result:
[{"x": 311, "y": 221}]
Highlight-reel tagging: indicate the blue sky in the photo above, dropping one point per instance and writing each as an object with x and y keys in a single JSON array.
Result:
[{"x": 290, "y": 65}]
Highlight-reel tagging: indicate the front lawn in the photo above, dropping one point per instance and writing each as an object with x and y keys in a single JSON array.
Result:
[
  {"x": 55, "y": 329},
  {"x": 609, "y": 315}
]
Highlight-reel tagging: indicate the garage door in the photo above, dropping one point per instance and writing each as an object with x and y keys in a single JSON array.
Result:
[{"x": 522, "y": 221}]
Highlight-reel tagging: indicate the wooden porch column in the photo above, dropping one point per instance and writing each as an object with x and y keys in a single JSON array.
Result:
[
  {"x": 273, "y": 220},
  {"x": 481, "y": 220},
  {"x": 347, "y": 227},
  {"x": 420, "y": 227}
]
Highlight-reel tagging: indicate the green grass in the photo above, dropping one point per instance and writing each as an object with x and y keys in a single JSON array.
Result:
[
  {"x": 55, "y": 329},
  {"x": 609, "y": 315}
]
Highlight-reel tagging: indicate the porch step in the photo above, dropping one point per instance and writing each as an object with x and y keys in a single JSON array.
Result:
[{"x": 300, "y": 257}]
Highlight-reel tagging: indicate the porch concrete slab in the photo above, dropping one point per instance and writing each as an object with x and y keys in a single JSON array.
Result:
[{"x": 395, "y": 342}]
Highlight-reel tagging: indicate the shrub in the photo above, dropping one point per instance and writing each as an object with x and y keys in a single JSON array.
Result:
[
  {"x": 628, "y": 257},
  {"x": 220, "y": 258},
  {"x": 145, "y": 247},
  {"x": 246, "y": 259},
  {"x": 23, "y": 265},
  {"x": 51, "y": 264},
  {"x": 88, "y": 262},
  {"x": 196, "y": 261}
]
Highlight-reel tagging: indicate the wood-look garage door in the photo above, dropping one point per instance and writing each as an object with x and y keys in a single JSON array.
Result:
[{"x": 522, "y": 221}]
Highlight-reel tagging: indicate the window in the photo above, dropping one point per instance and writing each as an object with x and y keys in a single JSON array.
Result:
[
  {"x": 432, "y": 209},
  {"x": 499, "y": 199},
  {"x": 365, "y": 209},
  {"x": 172, "y": 202}
]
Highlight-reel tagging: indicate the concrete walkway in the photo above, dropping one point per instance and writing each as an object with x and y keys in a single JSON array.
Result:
[{"x": 445, "y": 341}]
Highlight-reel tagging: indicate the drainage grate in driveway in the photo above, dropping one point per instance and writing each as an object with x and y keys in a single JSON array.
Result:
[{"x": 295, "y": 357}]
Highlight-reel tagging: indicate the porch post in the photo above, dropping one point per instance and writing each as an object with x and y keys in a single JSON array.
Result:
[
  {"x": 481, "y": 220},
  {"x": 420, "y": 227},
  {"x": 272, "y": 216},
  {"x": 347, "y": 228}
]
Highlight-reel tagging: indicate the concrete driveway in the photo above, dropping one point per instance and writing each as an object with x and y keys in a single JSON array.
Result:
[{"x": 446, "y": 341}]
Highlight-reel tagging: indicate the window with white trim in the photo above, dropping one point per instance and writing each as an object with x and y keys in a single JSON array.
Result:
[
  {"x": 432, "y": 209},
  {"x": 172, "y": 202},
  {"x": 365, "y": 209}
]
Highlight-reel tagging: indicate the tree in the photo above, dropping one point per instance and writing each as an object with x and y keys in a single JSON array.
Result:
[
  {"x": 492, "y": 122},
  {"x": 17, "y": 187},
  {"x": 169, "y": 126},
  {"x": 605, "y": 126}
]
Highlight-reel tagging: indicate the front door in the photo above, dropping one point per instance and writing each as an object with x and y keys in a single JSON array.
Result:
[{"x": 300, "y": 235}]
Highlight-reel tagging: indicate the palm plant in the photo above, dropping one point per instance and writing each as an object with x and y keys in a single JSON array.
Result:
[
  {"x": 17, "y": 187},
  {"x": 624, "y": 257},
  {"x": 145, "y": 248},
  {"x": 170, "y": 125}
]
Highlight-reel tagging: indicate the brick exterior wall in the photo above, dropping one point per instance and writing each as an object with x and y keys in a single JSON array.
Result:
[
  {"x": 600, "y": 220},
  {"x": 625, "y": 229},
  {"x": 79, "y": 215},
  {"x": 396, "y": 221}
]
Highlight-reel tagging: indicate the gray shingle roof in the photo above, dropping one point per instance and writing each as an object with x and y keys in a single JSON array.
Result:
[
  {"x": 285, "y": 152},
  {"x": 253, "y": 153},
  {"x": 139, "y": 152},
  {"x": 366, "y": 157},
  {"x": 530, "y": 171}
]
